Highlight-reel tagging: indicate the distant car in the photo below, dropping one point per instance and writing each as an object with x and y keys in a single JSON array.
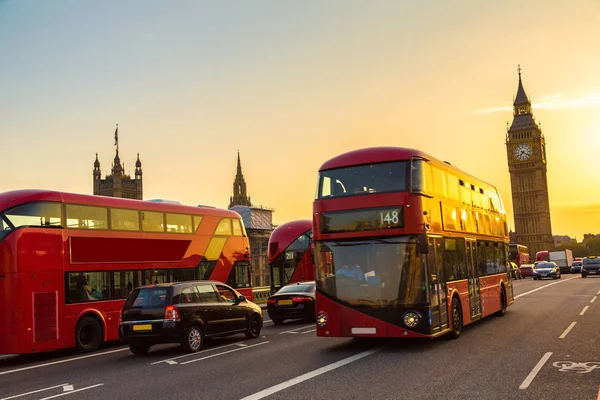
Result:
[
  {"x": 546, "y": 269},
  {"x": 576, "y": 267},
  {"x": 186, "y": 313},
  {"x": 516, "y": 273},
  {"x": 526, "y": 270},
  {"x": 590, "y": 266},
  {"x": 293, "y": 301}
]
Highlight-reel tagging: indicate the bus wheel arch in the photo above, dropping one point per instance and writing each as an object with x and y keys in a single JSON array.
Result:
[
  {"x": 503, "y": 301},
  {"x": 89, "y": 332},
  {"x": 457, "y": 317}
]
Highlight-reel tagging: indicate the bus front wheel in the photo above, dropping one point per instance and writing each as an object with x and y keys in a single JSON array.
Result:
[
  {"x": 502, "y": 311},
  {"x": 457, "y": 323},
  {"x": 88, "y": 334}
]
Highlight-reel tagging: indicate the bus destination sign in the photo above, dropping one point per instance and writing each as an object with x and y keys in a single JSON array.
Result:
[{"x": 362, "y": 220}]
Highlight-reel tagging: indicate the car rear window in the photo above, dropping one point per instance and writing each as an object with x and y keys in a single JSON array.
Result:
[
  {"x": 591, "y": 261},
  {"x": 297, "y": 288},
  {"x": 147, "y": 298}
]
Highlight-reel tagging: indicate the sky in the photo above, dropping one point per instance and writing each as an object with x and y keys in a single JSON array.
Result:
[{"x": 291, "y": 84}]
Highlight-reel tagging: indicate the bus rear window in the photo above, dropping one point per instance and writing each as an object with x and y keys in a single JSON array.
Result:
[
  {"x": 147, "y": 298},
  {"x": 364, "y": 179}
]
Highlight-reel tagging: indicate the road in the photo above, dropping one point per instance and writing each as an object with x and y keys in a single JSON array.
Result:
[{"x": 546, "y": 347}]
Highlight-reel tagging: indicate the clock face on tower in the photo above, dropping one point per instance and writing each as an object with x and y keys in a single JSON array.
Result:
[{"x": 523, "y": 152}]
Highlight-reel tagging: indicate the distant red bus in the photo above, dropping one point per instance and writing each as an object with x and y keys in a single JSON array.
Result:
[
  {"x": 406, "y": 246},
  {"x": 291, "y": 254},
  {"x": 543, "y": 255},
  {"x": 68, "y": 261},
  {"x": 519, "y": 254}
]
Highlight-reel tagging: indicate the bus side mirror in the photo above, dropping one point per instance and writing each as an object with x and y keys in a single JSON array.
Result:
[{"x": 423, "y": 245}]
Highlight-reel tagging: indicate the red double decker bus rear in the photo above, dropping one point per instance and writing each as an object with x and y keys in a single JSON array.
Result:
[
  {"x": 68, "y": 262},
  {"x": 406, "y": 246},
  {"x": 291, "y": 254}
]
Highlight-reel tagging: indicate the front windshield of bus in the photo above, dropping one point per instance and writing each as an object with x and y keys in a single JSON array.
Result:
[
  {"x": 42, "y": 214},
  {"x": 372, "y": 272},
  {"x": 363, "y": 179}
]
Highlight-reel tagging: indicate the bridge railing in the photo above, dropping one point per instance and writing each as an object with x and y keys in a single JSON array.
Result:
[{"x": 261, "y": 294}]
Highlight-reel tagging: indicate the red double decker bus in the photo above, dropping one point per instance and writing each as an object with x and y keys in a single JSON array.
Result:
[
  {"x": 543, "y": 255},
  {"x": 68, "y": 261},
  {"x": 519, "y": 254},
  {"x": 406, "y": 246},
  {"x": 291, "y": 254}
]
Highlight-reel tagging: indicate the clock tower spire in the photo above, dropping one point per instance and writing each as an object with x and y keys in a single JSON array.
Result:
[{"x": 526, "y": 150}]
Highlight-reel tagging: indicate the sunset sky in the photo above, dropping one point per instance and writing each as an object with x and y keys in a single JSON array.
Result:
[{"x": 291, "y": 84}]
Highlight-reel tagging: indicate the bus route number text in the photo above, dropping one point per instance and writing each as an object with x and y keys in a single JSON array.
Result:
[{"x": 389, "y": 218}]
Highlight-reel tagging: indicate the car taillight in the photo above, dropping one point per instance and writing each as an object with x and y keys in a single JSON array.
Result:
[
  {"x": 271, "y": 301},
  {"x": 120, "y": 316},
  {"x": 301, "y": 299},
  {"x": 171, "y": 314}
]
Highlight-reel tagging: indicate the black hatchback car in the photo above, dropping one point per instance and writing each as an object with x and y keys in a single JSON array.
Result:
[
  {"x": 186, "y": 313},
  {"x": 293, "y": 301}
]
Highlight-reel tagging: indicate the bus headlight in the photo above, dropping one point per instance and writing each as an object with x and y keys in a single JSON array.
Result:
[
  {"x": 411, "y": 319},
  {"x": 322, "y": 319}
]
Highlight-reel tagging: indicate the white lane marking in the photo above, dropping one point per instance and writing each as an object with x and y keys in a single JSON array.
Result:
[
  {"x": 74, "y": 391},
  {"x": 598, "y": 292},
  {"x": 594, "y": 299},
  {"x": 35, "y": 391},
  {"x": 267, "y": 321},
  {"x": 171, "y": 362},
  {"x": 11, "y": 371},
  {"x": 293, "y": 331},
  {"x": 68, "y": 388},
  {"x": 545, "y": 286},
  {"x": 535, "y": 371},
  {"x": 241, "y": 344},
  {"x": 192, "y": 354},
  {"x": 309, "y": 375},
  {"x": 584, "y": 310},
  {"x": 225, "y": 352},
  {"x": 312, "y": 330},
  {"x": 566, "y": 332}
]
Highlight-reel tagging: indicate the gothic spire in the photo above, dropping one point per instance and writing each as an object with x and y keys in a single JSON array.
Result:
[
  {"x": 240, "y": 197},
  {"x": 521, "y": 98}
]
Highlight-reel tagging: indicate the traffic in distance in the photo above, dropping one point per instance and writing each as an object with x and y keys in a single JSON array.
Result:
[{"x": 401, "y": 244}]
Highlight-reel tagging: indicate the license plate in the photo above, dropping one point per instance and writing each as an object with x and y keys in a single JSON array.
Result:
[
  {"x": 288, "y": 302},
  {"x": 592, "y": 272},
  {"x": 543, "y": 274},
  {"x": 142, "y": 327}
]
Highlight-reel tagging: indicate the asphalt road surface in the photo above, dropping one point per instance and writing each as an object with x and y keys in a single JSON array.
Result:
[{"x": 547, "y": 346}]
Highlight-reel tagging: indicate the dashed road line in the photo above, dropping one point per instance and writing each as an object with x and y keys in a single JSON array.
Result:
[
  {"x": 584, "y": 310},
  {"x": 312, "y": 330},
  {"x": 223, "y": 353},
  {"x": 192, "y": 354},
  {"x": 293, "y": 331},
  {"x": 34, "y": 391},
  {"x": 299, "y": 379},
  {"x": 566, "y": 332},
  {"x": 594, "y": 299},
  {"x": 535, "y": 371},
  {"x": 72, "y": 391}
]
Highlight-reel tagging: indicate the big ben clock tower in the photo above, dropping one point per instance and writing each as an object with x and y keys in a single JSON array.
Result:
[{"x": 526, "y": 150}]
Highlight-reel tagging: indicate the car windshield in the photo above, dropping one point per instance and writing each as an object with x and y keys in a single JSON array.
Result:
[
  {"x": 577, "y": 263},
  {"x": 147, "y": 298},
  {"x": 587, "y": 261},
  {"x": 297, "y": 288},
  {"x": 545, "y": 266},
  {"x": 372, "y": 272}
]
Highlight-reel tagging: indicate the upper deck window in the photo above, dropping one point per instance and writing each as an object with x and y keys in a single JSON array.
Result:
[
  {"x": 364, "y": 179},
  {"x": 41, "y": 213},
  {"x": 86, "y": 217}
]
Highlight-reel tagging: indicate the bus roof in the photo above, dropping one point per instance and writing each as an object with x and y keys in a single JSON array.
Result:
[
  {"x": 13, "y": 198},
  {"x": 371, "y": 155},
  {"x": 285, "y": 234}
]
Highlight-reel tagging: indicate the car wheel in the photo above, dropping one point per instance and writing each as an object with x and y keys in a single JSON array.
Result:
[
  {"x": 253, "y": 329},
  {"x": 139, "y": 349},
  {"x": 193, "y": 340},
  {"x": 88, "y": 334}
]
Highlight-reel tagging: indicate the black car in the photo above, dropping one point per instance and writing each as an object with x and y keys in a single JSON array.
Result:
[
  {"x": 186, "y": 313},
  {"x": 547, "y": 269},
  {"x": 590, "y": 266},
  {"x": 293, "y": 301},
  {"x": 576, "y": 267}
]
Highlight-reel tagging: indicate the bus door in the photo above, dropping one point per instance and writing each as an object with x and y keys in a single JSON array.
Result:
[
  {"x": 474, "y": 296},
  {"x": 437, "y": 286}
]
